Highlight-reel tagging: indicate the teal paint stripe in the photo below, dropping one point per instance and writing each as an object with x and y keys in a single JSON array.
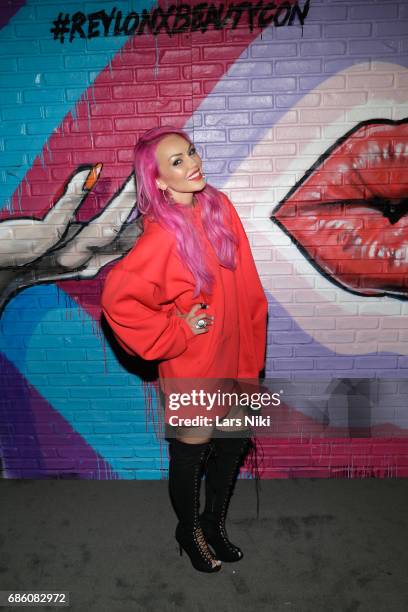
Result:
[
  {"x": 52, "y": 342},
  {"x": 36, "y": 70}
]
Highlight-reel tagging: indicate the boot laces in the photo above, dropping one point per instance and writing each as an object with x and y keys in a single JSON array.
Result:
[{"x": 203, "y": 546}]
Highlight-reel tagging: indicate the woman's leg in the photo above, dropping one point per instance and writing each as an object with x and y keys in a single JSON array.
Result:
[
  {"x": 194, "y": 435},
  {"x": 188, "y": 454},
  {"x": 230, "y": 446},
  {"x": 235, "y": 420}
]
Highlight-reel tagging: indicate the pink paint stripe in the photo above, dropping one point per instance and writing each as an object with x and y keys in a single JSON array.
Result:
[
  {"x": 8, "y": 10},
  {"x": 145, "y": 87}
]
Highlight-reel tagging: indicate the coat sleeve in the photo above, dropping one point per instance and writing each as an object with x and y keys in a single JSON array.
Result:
[
  {"x": 138, "y": 299},
  {"x": 257, "y": 301}
]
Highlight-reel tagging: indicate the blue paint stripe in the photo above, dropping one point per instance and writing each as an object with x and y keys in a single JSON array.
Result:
[
  {"x": 52, "y": 342},
  {"x": 44, "y": 69}
]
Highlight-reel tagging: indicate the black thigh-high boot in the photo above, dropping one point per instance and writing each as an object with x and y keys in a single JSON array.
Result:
[
  {"x": 185, "y": 471},
  {"x": 223, "y": 466}
]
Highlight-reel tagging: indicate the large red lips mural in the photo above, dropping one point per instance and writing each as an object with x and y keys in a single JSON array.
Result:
[{"x": 348, "y": 214}]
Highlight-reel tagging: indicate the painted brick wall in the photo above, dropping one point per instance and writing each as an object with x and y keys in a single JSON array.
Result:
[{"x": 264, "y": 106}]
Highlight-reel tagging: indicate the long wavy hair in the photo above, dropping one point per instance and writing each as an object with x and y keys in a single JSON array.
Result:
[{"x": 152, "y": 202}]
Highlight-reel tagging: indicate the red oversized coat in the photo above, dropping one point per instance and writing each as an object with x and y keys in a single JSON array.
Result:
[{"x": 143, "y": 291}]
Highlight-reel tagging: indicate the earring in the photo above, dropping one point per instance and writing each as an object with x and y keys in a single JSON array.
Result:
[{"x": 164, "y": 194}]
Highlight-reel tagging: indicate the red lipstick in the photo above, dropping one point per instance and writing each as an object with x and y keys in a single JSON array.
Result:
[
  {"x": 195, "y": 178},
  {"x": 348, "y": 214}
]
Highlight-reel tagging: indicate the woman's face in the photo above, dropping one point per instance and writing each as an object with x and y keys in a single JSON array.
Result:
[{"x": 179, "y": 168}]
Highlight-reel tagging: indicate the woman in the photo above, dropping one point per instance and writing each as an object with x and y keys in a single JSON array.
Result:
[{"x": 188, "y": 294}]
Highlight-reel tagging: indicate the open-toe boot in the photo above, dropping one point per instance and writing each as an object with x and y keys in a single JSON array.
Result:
[{"x": 185, "y": 471}]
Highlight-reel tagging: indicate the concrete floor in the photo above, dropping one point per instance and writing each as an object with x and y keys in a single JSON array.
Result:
[{"x": 318, "y": 546}]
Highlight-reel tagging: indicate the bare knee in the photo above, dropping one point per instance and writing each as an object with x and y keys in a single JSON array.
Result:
[
  {"x": 194, "y": 435},
  {"x": 234, "y": 420}
]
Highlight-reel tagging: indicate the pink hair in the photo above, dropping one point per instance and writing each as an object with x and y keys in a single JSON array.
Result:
[{"x": 151, "y": 201}]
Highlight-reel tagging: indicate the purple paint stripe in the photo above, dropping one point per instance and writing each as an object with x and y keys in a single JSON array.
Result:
[
  {"x": 32, "y": 432},
  {"x": 273, "y": 93},
  {"x": 298, "y": 346},
  {"x": 8, "y": 8}
]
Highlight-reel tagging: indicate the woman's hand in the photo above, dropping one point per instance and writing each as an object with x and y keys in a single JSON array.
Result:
[{"x": 191, "y": 318}]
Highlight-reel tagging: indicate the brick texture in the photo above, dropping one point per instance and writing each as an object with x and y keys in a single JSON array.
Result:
[{"x": 262, "y": 107}]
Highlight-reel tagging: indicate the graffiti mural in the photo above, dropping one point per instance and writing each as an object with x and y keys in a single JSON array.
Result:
[
  {"x": 300, "y": 112},
  {"x": 177, "y": 18},
  {"x": 348, "y": 210},
  {"x": 56, "y": 248}
]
